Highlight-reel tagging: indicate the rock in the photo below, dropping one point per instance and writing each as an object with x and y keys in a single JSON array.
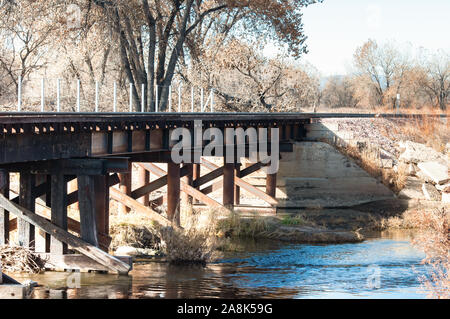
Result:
[
  {"x": 446, "y": 198},
  {"x": 387, "y": 163},
  {"x": 412, "y": 189},
  {"x": 126, "y": 251},
  {"x": 437, "y": 172},
  {"x": 411, "y": 170},
  {"x": 416, "y": 153},
  {"x": 430, "y": 192},
  {"x": 442, "y": 188}
]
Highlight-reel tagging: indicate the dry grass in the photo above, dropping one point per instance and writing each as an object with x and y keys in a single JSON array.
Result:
[
  {"x": 434, "y": 240},
  {"x": 369, "y": 160},
  {"x": 236, "y": 226},
  {"x": 20, "y": 259},
  {"x": 197, "y": 242}
]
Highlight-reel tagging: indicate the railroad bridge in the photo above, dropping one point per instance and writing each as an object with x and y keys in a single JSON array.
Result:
[{"x": 49, "y": 150}]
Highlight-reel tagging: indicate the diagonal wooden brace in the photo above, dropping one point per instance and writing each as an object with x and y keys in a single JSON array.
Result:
[
  {"x": 241, "y": 183},
  {"x": 183, "y": 186},
  {"x": 95, "y": 253}
]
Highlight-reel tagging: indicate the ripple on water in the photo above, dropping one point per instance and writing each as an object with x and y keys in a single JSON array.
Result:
[{"x": 265, "y": 270}]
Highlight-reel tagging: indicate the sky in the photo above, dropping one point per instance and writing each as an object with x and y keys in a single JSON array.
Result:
[{"x": 335, "y": 28}]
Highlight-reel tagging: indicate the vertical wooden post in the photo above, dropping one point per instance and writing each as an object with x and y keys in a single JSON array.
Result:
[
  {"x": 58, "y": 211},
  {"x": 195, "y": 175},
  {"x": 237, "y": 189},
  {"x": 42, "y": 241},
  {"x": 143, "y": 179},
  {"x": 102, "y": 205},
  {"x": 297, "y": 132},
  {"x": 4, "y": 214},
  {"x": 125, "y": 187},
  {"x": 26, "y": 231},
  {"x": 173, "y": 192},
  {"x": 271, "y": 184},
  {"x": 185, "y": 198},
  {"x": 228, "y": 184},
  {"x": 88, "y": 220},
  {"x": 288, "y": 132}
]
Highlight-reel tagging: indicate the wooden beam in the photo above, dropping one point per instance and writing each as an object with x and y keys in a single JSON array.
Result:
[
  {"x": 88, "y": 220},
  {"x": 187, "y": 179},
  {"x": 125, "y": 187},
  {"x": 82, "y": 166},
  {"x": 112, "y": 263},
  {"x": 101, "y": 185},
  {"x": 271, "y": 184},
  {"x": 58, "y": 211},
  {"x": 77, "y": 262},
  {"x": 208, "y": 177},
  {"x": 228, "y": 185},
  {"x": 72, "y": 225},
  {"x": 173, "y": 192},
  {"x": 244, "y": 185},
  {"x": 184, "y": 187},
  {"x": 26, "y": 231},
  {"x": 237, "y": 189},
  {"x": 143, "y": 177},
  {"x": 113, "y": 180},
  {"x": 151, "y": 187},
  {"x": 138, "y": 207},
  {"x": 4, "y": 214}
]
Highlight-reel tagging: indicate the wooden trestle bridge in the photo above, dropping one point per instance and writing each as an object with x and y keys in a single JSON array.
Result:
[{"x": 97, "y": 149}]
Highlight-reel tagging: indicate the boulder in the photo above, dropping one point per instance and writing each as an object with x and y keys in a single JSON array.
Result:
[
  {"x": 438, "y": 173},
  {"x": 430, "y": 192},
  {"x": 412, "y": 189},
  {"x": 442, "y": 188},
  {"x": 416, "y": 153}
]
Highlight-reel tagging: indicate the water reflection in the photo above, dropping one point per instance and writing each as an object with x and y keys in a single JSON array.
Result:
[{"x": 262, "y": 269}]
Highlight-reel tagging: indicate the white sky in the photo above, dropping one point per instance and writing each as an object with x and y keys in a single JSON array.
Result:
[{"x": 335, "y": 28}]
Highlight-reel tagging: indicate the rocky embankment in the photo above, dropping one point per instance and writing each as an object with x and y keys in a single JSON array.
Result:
[{"x": 427, "y": 173}]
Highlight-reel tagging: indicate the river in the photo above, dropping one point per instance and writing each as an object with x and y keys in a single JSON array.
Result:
[{"x": 384, "y": 266}]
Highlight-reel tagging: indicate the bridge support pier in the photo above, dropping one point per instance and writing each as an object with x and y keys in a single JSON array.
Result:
[
  {"x": 4, "y": 214},
  {"x": 188, "y": 179},
  {"x": 228, "y": 185},
  {"x": 195, "y": 175},
  {"x": 237, "y": 189},
  {"x": 271, "y": 184},
  {"x": 143, "y": 178},
  {"x": 26, "y": 231},
  {"x": 125, "y": 187},
  {"x": 173, "y": 192}
]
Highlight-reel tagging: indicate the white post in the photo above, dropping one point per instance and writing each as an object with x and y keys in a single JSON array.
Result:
[
  {"x": 212, "y": 100},
  {"x": 19, "y": 94},
  {"x": 96, "y": 96},
  {"x": 156, "y": 99},
  {"x": 192, "y": 99},
  {"x": 42, "y": 94},
  {"x": 170, "y": 98},
  {"x": 131, "y": 97},
  {"x": 78, "y": 95},
  {"x": 58, "y": 95},
  {"x": 201, "y": 100},
  {"x": 142, "y": 97},
  {"x": 179, "y": 98},
  {"x": 115, "y": 98}
]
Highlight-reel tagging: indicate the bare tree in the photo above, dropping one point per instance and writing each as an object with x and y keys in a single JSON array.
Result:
[{"x": 436, "y": 78}]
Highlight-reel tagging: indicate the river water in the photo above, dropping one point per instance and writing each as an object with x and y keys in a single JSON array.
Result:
[{"x": 384, "y": 266}]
